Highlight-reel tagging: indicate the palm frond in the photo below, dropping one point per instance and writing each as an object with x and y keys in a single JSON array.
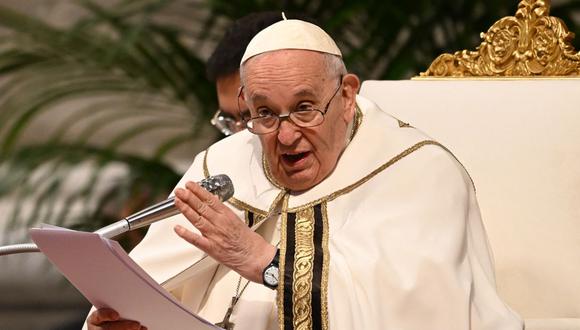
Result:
[
  {"x": 87, "y": 97},
  {"x": 133, "y": 73}
]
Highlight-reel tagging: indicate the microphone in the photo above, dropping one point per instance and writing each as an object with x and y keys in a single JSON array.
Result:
[{"x": 220, "y": 185}]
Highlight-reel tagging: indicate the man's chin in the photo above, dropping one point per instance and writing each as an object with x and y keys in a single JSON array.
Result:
[{"x": 299, "y": 181}]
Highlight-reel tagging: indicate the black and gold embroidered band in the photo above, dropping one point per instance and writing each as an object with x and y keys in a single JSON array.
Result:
[
  {"x": 249, "y": 218},
  {"x": 304, "y": 267}
]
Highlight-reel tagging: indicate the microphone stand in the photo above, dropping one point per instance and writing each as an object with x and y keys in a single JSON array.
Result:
[
  {"x": 140, "y": 219},
  {"x": 219, "y": 185}
]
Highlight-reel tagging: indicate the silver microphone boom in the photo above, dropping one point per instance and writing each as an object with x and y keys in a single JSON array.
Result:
[{"x": 220, "y": 185}]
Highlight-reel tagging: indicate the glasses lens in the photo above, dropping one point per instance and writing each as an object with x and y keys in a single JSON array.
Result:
[
  {"x": 225, "y": 123},
  {"x": 263, "y": 125},
  {"x": 307, "y": 118}
]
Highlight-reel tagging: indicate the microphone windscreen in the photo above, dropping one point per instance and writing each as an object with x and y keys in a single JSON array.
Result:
[{"x": 220, "y": 185}]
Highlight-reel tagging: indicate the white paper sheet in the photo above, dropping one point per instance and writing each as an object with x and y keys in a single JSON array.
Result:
[{"x": 101, "y": 270}]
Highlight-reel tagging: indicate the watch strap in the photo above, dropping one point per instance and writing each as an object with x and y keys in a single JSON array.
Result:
[{"x": 275, "y": 263}]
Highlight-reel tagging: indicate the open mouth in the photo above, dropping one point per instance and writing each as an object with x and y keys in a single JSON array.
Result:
[{"x": 295, "y": 158}]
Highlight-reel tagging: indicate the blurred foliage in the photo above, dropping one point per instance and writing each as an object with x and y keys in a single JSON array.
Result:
[
  {"x": 120, "y": 74},
  {"x": 112, "y": 77},
  {"x": 388, "y": 39}
]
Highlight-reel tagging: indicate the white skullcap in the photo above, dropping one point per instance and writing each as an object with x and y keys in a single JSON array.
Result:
[{"x": 291, "y": 34}]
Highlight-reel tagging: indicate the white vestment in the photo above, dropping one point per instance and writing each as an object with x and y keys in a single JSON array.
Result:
[{"x": 392, "y": 239}]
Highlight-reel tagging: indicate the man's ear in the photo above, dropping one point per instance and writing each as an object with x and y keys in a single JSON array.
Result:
[
  {"x": 351, "y": 84},
  {"x": 241, "y": 95},
  {"x": 242, "y": 105}
]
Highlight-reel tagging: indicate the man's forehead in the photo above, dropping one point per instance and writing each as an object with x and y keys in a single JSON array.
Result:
[
  {"x": 286, "y": 56},
  {"x": 296, "y": 73},
  {"x": 279, "y": 66}
]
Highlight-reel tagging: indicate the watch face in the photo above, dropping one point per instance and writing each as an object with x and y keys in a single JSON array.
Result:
[{"x": 271, "y": 275}]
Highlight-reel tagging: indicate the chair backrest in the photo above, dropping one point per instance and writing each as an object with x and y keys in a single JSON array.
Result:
[{"x": 520, "y": 141}]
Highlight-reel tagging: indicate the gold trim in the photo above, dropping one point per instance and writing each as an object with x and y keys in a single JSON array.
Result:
[
  {"x": 303, "y": 270},
  {"x": 325, "y": 268},
  {"x": 358, "y": 118},
  {"x": 531, "y": 43},
  {"x": 243, "y": 206},
  {"x": 247, "y": 217},
  {"x": 205, "y": 169},
  {"x": 282, "y": 262},
  {"x": 284, "y": 196},
  {"x": 268, "y": 173},
  {"x": 355, "y": 185},
  {"x": 240, "y": 205},
  {"x": 258, "y": 219},
  {"x": 402, "y": 124},
  {"x": 460, "y": 163},
  {"x": 495, "y": 78},
  {"x": 276, "y": 201}
]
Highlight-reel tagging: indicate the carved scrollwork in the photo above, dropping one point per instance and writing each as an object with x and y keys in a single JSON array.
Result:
[{"x": 531, "y": 43}]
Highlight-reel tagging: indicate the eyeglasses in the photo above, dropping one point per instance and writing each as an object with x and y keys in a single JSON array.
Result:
[
  {"x": 305, "y": 116},
  {"x": 226, "y": 123}
]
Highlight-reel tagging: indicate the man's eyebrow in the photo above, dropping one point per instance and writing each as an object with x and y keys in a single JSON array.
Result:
[
  {"x": 305, "y": 93},
  {"x": 256, "y": 97}
]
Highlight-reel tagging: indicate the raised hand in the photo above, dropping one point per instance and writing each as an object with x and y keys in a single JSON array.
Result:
[{"x": 222, "y": 235}]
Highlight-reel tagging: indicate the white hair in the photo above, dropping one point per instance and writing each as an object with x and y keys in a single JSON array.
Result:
[{"x": 334, "y": 65}]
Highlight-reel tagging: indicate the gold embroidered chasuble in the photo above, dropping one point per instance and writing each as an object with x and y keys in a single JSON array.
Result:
[{"x": 392, "y": 239}]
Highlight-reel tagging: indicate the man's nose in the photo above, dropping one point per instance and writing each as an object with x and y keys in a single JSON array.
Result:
[{"x": 288, "y": 133}]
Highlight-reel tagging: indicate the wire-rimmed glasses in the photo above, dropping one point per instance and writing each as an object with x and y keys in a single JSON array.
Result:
[
  {"x": 305, "y": 116},
  {"x": 226, "y": 123}
]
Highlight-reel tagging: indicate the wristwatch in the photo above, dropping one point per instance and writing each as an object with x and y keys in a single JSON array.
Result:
[{"x": 271, "y": 273}]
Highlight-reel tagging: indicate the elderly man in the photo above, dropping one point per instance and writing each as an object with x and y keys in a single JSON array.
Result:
[{"x": 343, "y": 217}]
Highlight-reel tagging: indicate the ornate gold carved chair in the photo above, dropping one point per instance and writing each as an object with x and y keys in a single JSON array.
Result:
[{"x": 510, "y": 112}]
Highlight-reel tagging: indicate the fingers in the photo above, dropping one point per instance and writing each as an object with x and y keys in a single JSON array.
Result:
[
  {"x": 208, "y": 198},
  {"x": 109, "y": 319},
  {"x": 122, "y": 325},
  {"x": 103, "y": 315},
  {"x": 199, "y": 191},
  {"x": 197, "y": 240},
  {"x": 200, "y": 200},
  {"x": 192, "y": 215}
]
